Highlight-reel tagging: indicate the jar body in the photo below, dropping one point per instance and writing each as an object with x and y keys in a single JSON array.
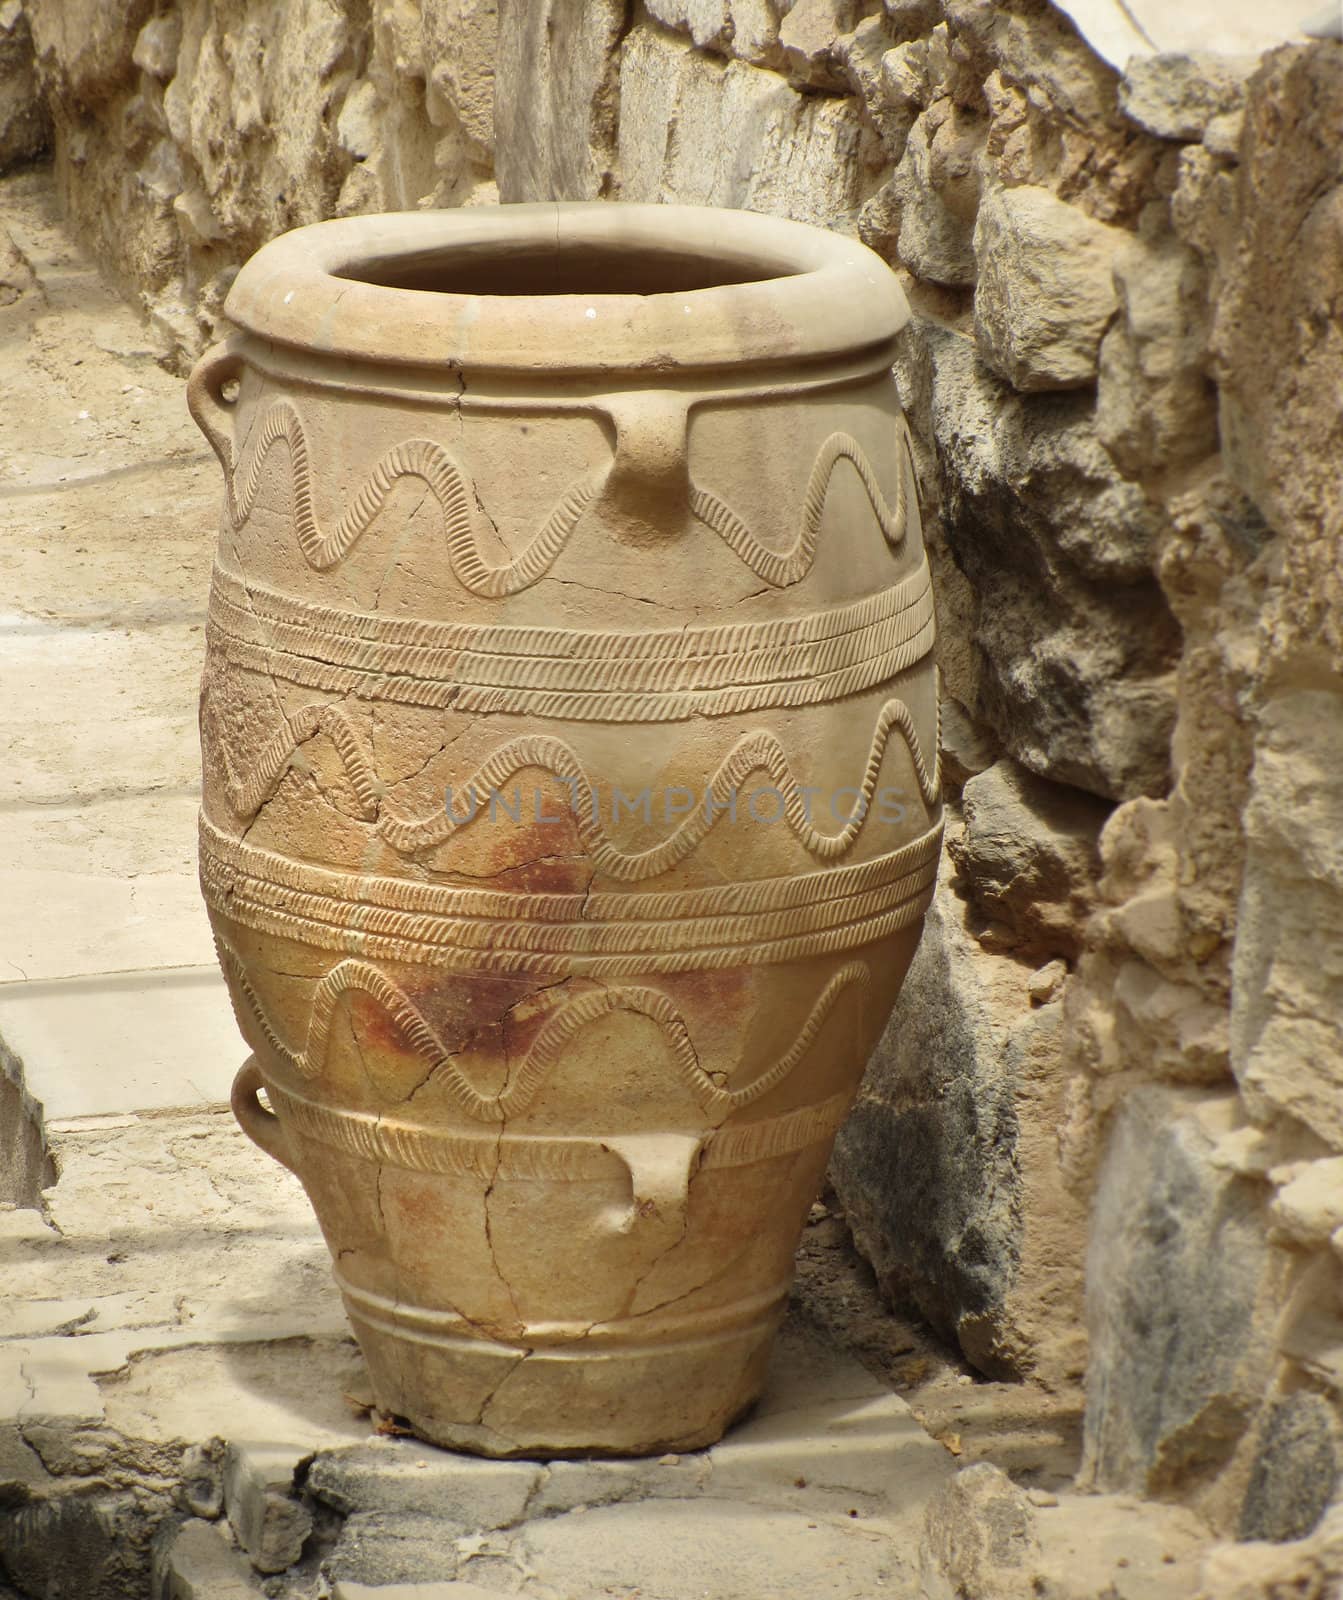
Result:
[{"x": 570, "y": 809}]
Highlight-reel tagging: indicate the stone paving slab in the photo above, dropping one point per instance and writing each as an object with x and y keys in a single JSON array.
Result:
[
  {"x": 179, "y": 1391},
  {"x": 110, "y": 999}
]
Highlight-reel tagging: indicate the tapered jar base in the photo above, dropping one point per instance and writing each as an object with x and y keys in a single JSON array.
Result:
[{"x": 548, "y": 1401}]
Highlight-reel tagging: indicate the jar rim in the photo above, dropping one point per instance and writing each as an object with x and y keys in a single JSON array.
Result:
[{"x": 458, "y": 288}]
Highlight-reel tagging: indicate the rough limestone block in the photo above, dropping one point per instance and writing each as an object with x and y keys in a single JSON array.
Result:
[
  {"x": 384, "y": 1547},
  {"x": 1029, "y": 855},
  {"x": 1308, "y": 1208},
  {"x": 808, "y": 36},
  {"x": 258, "y": 1495},
  {"x": 24, "y": 125},
  {"x": 1182, "y": 1296},
  {"x": 157, "y": 44},
  {"x": 1176, "y": 95},
  {"x": 980, "y": 1539},
  {"x": 948, "y": 1166},
  {"x": 1044, "y": 293},
  {"x": 553, "y": 81},
  {"x": 1155, "y": 403},
  {"x": 86, "y": 1544},
  {"x": 1287, "y": 1004},
  {"x": 1073, "y": 641},
  {"x": 697, "y": 131},
  {"x": 1271, "y": 1572},
  {"x": 937, "y": 188},
  {"x": 403, "y": 1475},
  {"x": 745, "y": 28},
  {"x": 195, "y": 1561},
  {"x": 1295, "y": 1470}
]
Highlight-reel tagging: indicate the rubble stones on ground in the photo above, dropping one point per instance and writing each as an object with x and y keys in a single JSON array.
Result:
[
  {"x": 980, "y": 1539},
  {"x": 268, "y": 1521},
  {"x": 196, "y": 1560},
  {"x": 1310, "y": 1568},
  {"x": 985, "y": 1538}
]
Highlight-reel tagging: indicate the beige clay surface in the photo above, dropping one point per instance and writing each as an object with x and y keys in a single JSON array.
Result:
[{"x": 541, "y": 508}]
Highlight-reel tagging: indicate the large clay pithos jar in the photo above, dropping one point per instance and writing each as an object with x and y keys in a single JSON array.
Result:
[{"x": 571, "y": 788}]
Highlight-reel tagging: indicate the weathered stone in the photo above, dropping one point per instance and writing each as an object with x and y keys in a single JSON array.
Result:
[
  {"x": 1310, "y": 1567},
  {"x": 1029, "y": 855},
  {"x": 1156, "y": 404},
  {"x": 947, "y": 1166},
  {"x": 404, "y": 1476},
  {"x": 202, "y": 1473},
  {"x": 84, "y": 48},
  {"x": 382, "y": 1548},
  {"x": 1176, "y": 96},
  {"x": 980, "y": 1539},
  {"x": 1073, "y": 639},
  {"x": 668, "y": 1549},
  {"x": 195, "y": 1561},
  {"x": 157, "y": 44},
  {"x": 808, "y": 36},
  {"x": 862, "y": 57},
  {"x": 460, "y": 40},
  {"x": 1308, "y": 1208},
  {"x": 1044, "y": 292},
  {"x": 1287, "y": 1008},
  {"x": 94, "y": 1544},
  {"x": 967, "y": 748},
  {"x": 1046, "y": 984},
  {"x": 1295, "y": 1470},
  {"x": 745, "y": 28},
  {"x": 1181, "y": 1297},
  {"x": 705, "y": 132},
  {"x": 555, "y": 98},
  {"x": 270, "y": 1523},
  {"x": 25, "y": 127},
  {"x": 937, "y": 187}
]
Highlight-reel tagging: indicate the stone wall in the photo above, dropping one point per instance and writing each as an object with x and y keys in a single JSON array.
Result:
[{"x": 1100, "y": 1143}]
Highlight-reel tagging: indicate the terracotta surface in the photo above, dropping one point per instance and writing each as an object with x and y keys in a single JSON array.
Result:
[{"x": 554, "y": 508}]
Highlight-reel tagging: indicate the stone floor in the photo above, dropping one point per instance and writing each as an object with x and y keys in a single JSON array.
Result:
[
  {"x": 182, "y": 1411},
  {"x": 106, "y": 514}
]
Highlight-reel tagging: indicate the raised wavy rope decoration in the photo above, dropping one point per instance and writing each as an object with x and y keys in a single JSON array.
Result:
[
  {"x": 784, "y": 567},
  {"x": 755, "y": 752},
  {"x": 422, "y": 458},
  {"x": 567, "y": 1020},
  {"x": 416, "y": 458}
]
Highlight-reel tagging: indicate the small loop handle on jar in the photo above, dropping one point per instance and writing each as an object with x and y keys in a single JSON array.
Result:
[
  {"x": 213, "y": 412},
  {"x": 262, "y": 1127}
]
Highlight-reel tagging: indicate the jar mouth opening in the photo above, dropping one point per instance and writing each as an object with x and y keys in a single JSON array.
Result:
[
  {"x": 581, "y": 268},
  {"x": 567, "y": 289}
]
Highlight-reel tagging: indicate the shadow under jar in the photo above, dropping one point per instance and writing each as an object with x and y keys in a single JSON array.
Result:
[{"x": 571, "y": 796}]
